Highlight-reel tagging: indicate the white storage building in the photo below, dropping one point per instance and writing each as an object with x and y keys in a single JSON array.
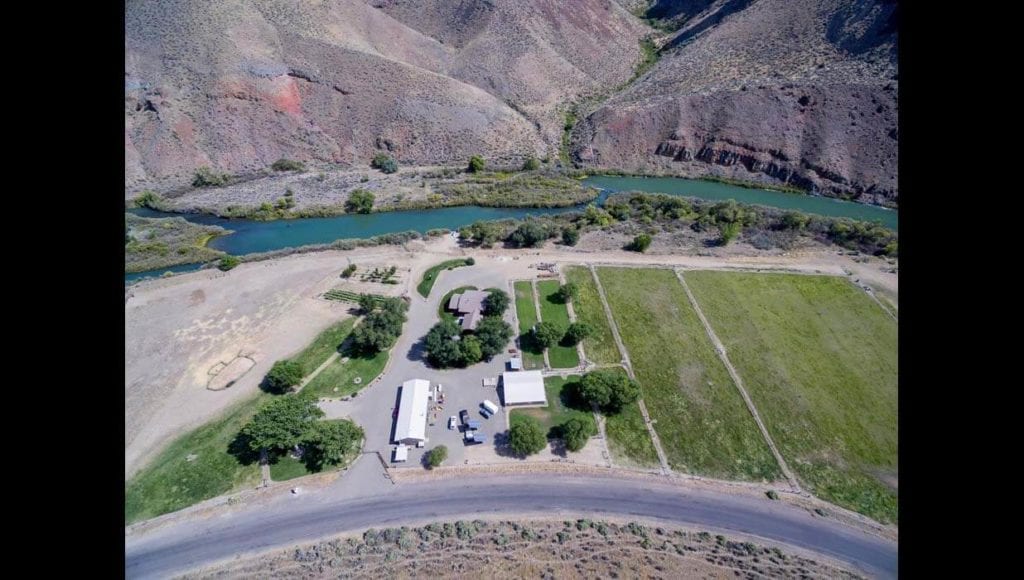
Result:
[
  {"x": 412, "y": 412},
  {"x": 524, "y": 389}
]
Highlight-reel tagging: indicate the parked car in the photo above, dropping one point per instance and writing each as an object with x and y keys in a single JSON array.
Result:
[
  {"x": 474, "y": 437},
  {"x": 464, "y": 416},
  {"x": 452, "y": 422},
  {"x": 490, "y": 407},
  {"x": 473, "y": 424},
  {"x": 486, "y": 414}
]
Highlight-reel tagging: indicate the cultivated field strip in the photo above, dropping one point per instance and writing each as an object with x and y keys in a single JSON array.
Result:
[
  {"x": 600, "y": 347},
  {"x": 701, "y": 420},
  {"x": 819, "y": 360}
]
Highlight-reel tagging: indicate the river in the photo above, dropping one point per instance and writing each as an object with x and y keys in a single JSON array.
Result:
[{"x": 262, "y": 236}]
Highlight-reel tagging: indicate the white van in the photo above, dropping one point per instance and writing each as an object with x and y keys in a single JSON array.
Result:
[{"x": 490, "y": 407}]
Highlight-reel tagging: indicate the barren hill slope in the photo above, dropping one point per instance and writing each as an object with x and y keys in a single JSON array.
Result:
[
  {"x": 796, "y": 91},
  {"x": 236, "y": 84}
]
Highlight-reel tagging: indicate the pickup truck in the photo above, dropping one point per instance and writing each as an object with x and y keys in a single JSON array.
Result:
[{"x": 463, "y": 416}]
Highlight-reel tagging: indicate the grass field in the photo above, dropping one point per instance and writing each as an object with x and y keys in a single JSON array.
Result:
[
  {"x": 628, "y": 440},
  {"x": 704, "y": 426},
  {"x": 599, "y": 348},
  {"x": 341, "y": 375},
  {"x": 526, "y": 312},
  {"x": 561, "y": 407},
  {"x": 554, "y": 310},
  {"x": 324, "y": 345},
  {"x": 287, "y": 467},
  {"x": 430, "y": 276},
  {"x": 819, "y": 358},
  {"x": 195, "y": 467}
]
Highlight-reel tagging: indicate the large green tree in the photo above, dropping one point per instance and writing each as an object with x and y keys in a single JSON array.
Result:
[
  {"x": 526, "y": 437},
  {"x": 608, "y": 389},
  {"x": 282, "y": 423},
  {"x": 577, "y": 431},
  {"x": 496, "y": 303},
  {"x": 494, "y": 334},
  {"x": 528, "y": 235},
  {"x": 441, "y": 345},
  {"x": 436, "y": 456},
  {"x": 327, "y": 442},
  {"x": 576, "y": 332},
  {"x": 547, "y": 334},
  {"x": 568, "y": 292}
]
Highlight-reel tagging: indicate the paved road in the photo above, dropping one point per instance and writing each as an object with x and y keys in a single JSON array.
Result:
[{"x": 192, "y": 544}]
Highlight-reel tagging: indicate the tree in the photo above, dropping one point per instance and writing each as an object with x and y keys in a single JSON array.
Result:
[
  {"x": 794, "y": 220},
  {"x": 568, "y": 292},
  {"x": 476, "y": 164},
  {"x": 471, "y": 350},
  {"x": 570, "y": 236},
  {"x": 596, "y": 216},
  {"x": 640, "y": 243},
  {"x": 380, "y": 328},
  {"x": 282, "y": 423},
  {"x": 608, "y": 389},
  {"x": 547, "y": 334},
  {"x": 526, "y": 437},
  {"x": 284, "y": 375},
  {"x": 728, "y": 232},
  {"x": 347, "y": 273},
  {"x": 496, "y": 303},
  {"x": 442, "y": 350},
  {"x": 576, "y": 432},
  {"x": 367, "y": 302},
  {"x": 384, "y": 162},
  {"x": 528, "y": 235},
  {"x": 436, "y": 456},
  {"x": 576, "y": 332},
  {"x": 484, "y": 234},
  {"x": 494, "y": 333},
  {"x": 228, "y": 262},
  {"x": 359, "y": 201},
  {"x": 327, "y": 442},
  {"x": 531, "y": 164}
]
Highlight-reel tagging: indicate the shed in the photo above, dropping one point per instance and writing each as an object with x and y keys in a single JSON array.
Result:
[
  {"x": 524, "y": 389},
  {"x": 401, "y": 453}
]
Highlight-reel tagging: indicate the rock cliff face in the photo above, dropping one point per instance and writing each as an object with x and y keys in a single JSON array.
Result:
[
  {"x": 236, "y": 84},
  {"x": 801, "y": 92}
]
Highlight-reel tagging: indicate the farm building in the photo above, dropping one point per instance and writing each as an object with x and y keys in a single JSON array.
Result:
[
  {"x": 412, "y": 412},
  {"x": 524, "y": 389},
  {"x": 470, "y": 306}
]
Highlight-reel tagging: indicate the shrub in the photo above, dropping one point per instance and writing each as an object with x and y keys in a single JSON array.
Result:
[
  {"x": 772, "y": 494},
  {"x": 640, "y": 243},
  {"x": 728, "y": 232},
  {"x": 528, "y": 235},
  {"x": 228, "y": 262},
  {"x": 288, "y": 165},
  {"x": 436, "y": 456},
  {"x": 531, "y": 164},
  {"x": 476, "y": 164},
  {"x": 526, "y": 437},
  {"x": 570, "y": 236},
  {"x": 470, "y": 261},
  {"x": 359, "y": 201},
  {"x": 284, "y": 375},
  {"x": 347, "y": 273},
  {"x": 384, "y": 162},
  {"x": 206, "y": 177}
]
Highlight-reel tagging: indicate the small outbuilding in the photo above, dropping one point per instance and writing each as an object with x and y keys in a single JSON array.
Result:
[
  {"x": 401, "y": 454},
  {"x": 524, "y": 389}
]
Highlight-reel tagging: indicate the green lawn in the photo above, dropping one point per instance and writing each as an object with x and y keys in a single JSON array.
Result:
[
  {"x": 819, "y": 359},
  {"x": 341, "y": 375},
  {"x": 600, "y": 347},
  {"x": 560, "y": 407},
  {"x": 172, "y": 481},
  {"x": 628, "y": 440},
  {"x": 324, "y": 345},
  {"x": 430, "y": 276},
  {"x": 554, "y": 310},
  {"x": 701, "y": 420},
  {"x": 526, "y": 312},
  {"x": 287, "y": 467}
]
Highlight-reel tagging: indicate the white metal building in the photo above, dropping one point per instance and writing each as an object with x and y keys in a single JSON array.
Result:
[
  {"x": 412, "y": 412},
  {"x": 524, "y": 389}
]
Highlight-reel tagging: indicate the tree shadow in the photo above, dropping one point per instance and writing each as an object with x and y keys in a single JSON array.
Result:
[
  {"x": 557, "y": 444},
  {"x": 418, "y": 350},
  {"x": 502, "y": 447},
  {"x": 242, "y": 451},
  {"x": 571, "y": 398}
]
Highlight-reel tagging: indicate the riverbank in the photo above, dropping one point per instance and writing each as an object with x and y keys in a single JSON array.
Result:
[{"x": 156, "y": 243}]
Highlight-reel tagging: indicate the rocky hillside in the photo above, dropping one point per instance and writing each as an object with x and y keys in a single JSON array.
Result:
[
  {"x": 236, "y": 84},
  {"x": 803, "y": 92}
]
